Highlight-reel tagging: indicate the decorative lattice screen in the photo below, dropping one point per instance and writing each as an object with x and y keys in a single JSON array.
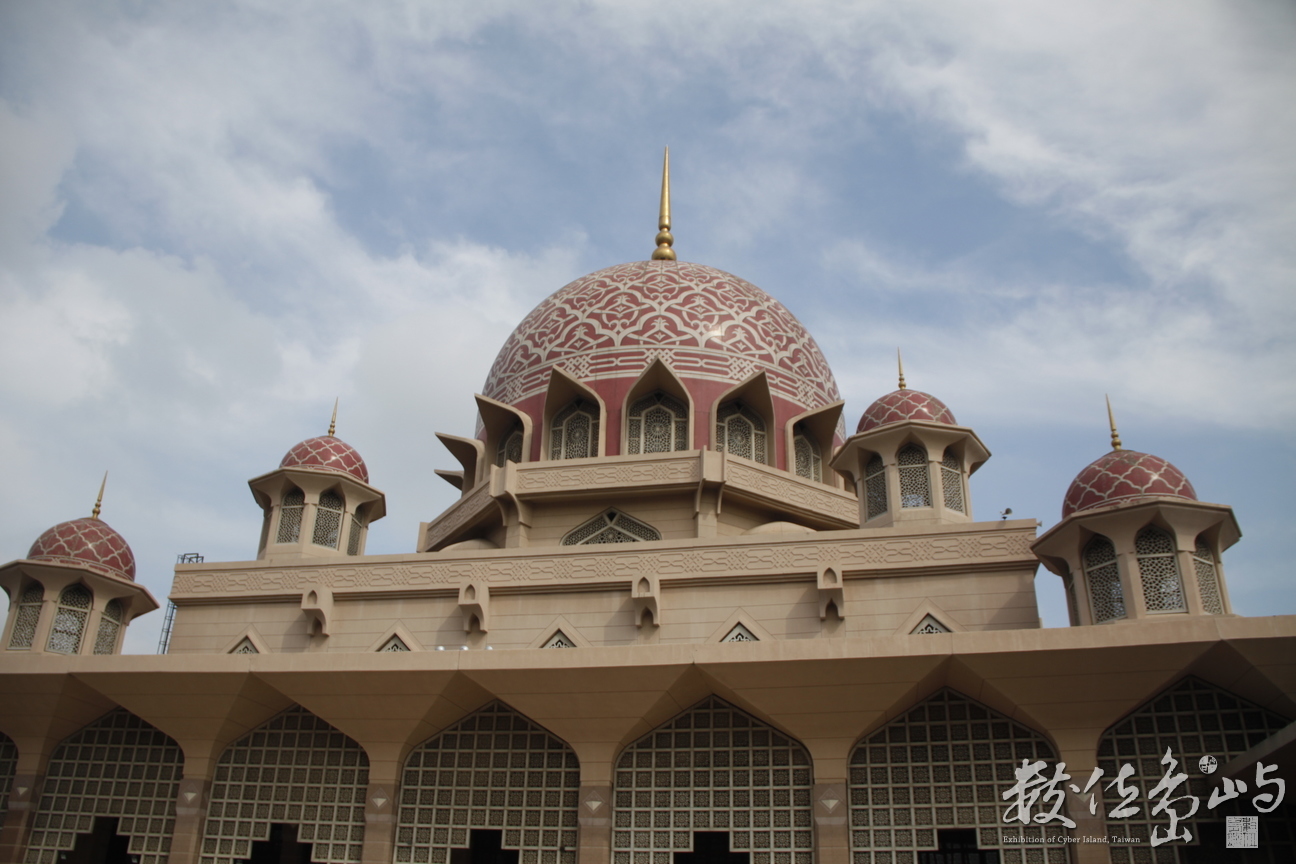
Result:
[
  {"x": 1193, "y": 719},
  {"x": 915, "y": 477},
  {"x": 1207, "y": 578},
  {"x": 295, "y": 769},
  {"x": 875, "y": 489},
  {"x": 1106, "y": 597},
  {"x": 117, "y": 766},
  {"x": 611, "y": 526},
  {"x": 713, "y": 768},
  {"x": 27, "y": 617},
  {"x": 809, "y": 462},
  {"x": 495, "y": 769},
  {"x": 943, "y": 764},
  {"x": 952, "y": 482},
  {"x": 8, "y": 765},
  {"x": 1159, "y": 572}
]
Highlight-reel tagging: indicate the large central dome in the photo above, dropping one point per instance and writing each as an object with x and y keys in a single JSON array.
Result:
[{"x": 705, "y": 323}]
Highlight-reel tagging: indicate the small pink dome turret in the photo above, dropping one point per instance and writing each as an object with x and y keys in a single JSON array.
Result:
[
  {"x": 1125, "y": 476},
  {"x": 329, "y": 454},
  {"x": 905, "y": 405},
  {"x": 86, "y": 543}
]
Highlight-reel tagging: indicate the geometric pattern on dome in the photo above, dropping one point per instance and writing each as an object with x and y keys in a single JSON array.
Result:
[
  {"x": 1125, "y": 475},
  {"x": 328, "y": 454},
  {"x": 86, "y": 543},
  {"x": 703, "y": 322},
  {"x": 905, "y": 405}
]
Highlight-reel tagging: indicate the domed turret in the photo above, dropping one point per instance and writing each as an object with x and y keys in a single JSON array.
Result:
[
  {"x": 319, "y": 501},
  {"x": 86, "y": 543},
  {"x": 910, "y": 460},
  {"x": 1135, "y": 543},
  {"x": 78, "y": 579}
]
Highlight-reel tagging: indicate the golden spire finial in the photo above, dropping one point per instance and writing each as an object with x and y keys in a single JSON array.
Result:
[
  {"x": 900, "y": 364},
  {"x": 1111, "y": 419},
  {"x": 664, "y": 252},
  {"x": 94, "y": 514},
  {"x": 333, "y": 422}
]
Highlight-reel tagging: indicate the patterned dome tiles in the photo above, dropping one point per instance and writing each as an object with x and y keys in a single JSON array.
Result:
[
  {"x": 329, "y": 454},
  {"x": 86, "y": 543},
  {"x": 905, "y": 405},
  {"x": 704, "y": 322},
  {"x": 1125, "y": 475}
]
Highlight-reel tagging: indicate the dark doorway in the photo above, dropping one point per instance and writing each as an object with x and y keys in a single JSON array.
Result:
[
  {"x": 484, "y": 848},
  {"x": 711, "y": 847},
  {"x": 958, "y": 846},
  {"x": 281, "y": 848},
  {"x": 103, "y": 845}
]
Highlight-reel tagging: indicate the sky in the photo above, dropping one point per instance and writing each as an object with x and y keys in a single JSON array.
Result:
[{"x": 218, "y": 217}]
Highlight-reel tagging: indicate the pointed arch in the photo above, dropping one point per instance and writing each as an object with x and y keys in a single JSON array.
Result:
[
  {"x": 730, "y": 770},
  {"x": 68, "y": 631},
  {"x": 1208, "y": 583},
  {"x": 508, "y": 772},
  {"x": 27, "y": 616},
  {"x": 818, "y": 428},
  {"x": 953, "y": 492},
  {"x": 915, "y": 476},
  {"x": 327, "y": 531},
  {"x": 875, "y": 486},
  {"x": 1158, "y": 567},
  {"x": 939, "y": 766},
  {"x": 575, "y": 419},
  {"x": 294, "y": 769},
  {"x": 610, "y": 526},
  {"x": 508, "y": 431},
  {"x": 657, "y": 389},
  {"x": 1102, "y": 578},
  {"x": 292, "y": 504},
  {"x": 1192, "y": 718},
  {"x": 741, "y": 419},
  {"x": 118, "y": 766},
  {"x": 111, "y": 621}
]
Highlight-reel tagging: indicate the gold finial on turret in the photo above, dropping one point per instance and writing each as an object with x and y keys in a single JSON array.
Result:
[
  {"x": 94, "y": 514},
  {"x": 1111, "y": 419},
  {"x": 900, "y": 364},
  {"x": 333, "y": 422},
  {"x": 664, "y": 252}
]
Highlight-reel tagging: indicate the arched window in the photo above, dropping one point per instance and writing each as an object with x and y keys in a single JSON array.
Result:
[
  {"x": 70, "y": 620},
  {"x": 1207, "y": 577},
  {"x": 510, "y": 447},
  {"x": 355, "y": 535},
  {"x": 290, "y": 516},
  {"x": 27, "y": 617},
  {"x": 613, "y": 526},
  {"x": 915, "y": 478},
  {"x": 805, "y": 452},
  {"x": 658, "y": 423},
  {"x": 1158, "y": 571},
  {"x": 740, "y": 431},
  {"x": 875, "y": 489},
  {"x": 328, "y": 520},
  {"x": 952, "y": 482},
  {"x": 110, "y": 623},
  {"x": 574, "y": 432},
  {"x": 1103, "y": 578}
]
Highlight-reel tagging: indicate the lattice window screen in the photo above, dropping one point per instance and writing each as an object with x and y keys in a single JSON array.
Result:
[
  {"x": 290, "y": 516},
  {"x": 328, "y": 520},
  {"x": 915, "y": 477},
  {"x": 354, "y": 536},
  {"x": 1207, "y": 577},
  {"x": 245, "y": 646},
  {"x": 713, "y": 768},
  {"x": 1159, "y": 571},
  {"x": 740, "y": 431},
  {"x": 494, "y": 769},
  {"x": 27, "y": 617},
  {"x": 1193, "y": 719},
  {"x": 952, "y": 482},
  {"x": 611, "y": 526},
  {"x": 8, "y": 767},
  {"x": 943, "y": 764},
  {"x": 70, "y": 620},
  {"x": 875, "y": 489},
  {"x": 657, "y": 423},
  {"x": 1106, "y": 597},
  {"x": 929, "y": 625},
  {"x": 559, "y": 640},
  {"x": 110, "y": 623},
  {"x": 574, "y": 431},
  {"x": 739, "y": 633},
  {"x": 295, "y": 769},
  {"x": 394, "y": 644},
  {"x": 510, "y": 447},
  {"x": 117, "y": 766},
  {"x": 809, "y": 460}
]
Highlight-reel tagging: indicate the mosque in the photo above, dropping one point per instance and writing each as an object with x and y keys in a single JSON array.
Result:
[{"x": 676, "y": 616}]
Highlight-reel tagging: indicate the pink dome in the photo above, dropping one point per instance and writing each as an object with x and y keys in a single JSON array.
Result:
[
  {"x": 86, "y": 543},
  {"x": 328, "y": 454},
  {"x": 706, "y": 324},
  {"x": 1123, "y": 476},
  {"x": 905, "y": 405}
]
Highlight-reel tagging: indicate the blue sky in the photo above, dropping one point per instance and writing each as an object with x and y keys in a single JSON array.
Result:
[{"x": 216, "y": 217}]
